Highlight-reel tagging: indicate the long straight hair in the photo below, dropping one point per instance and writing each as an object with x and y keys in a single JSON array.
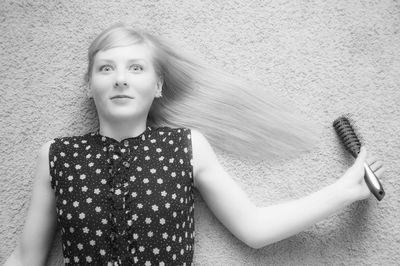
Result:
[{"x": 234, "y": 116}]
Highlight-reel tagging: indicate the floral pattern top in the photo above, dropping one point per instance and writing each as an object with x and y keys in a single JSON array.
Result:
[{"x": 125, "y": 202}]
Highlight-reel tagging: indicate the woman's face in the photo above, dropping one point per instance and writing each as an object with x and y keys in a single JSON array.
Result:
[{"x": 124, "y": 82}]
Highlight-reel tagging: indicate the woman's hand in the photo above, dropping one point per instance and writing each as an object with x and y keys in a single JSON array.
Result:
[{"x": 353, "y": 183}]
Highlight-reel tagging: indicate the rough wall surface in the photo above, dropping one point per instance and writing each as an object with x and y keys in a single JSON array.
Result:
[{"x": 329, "y": 57}]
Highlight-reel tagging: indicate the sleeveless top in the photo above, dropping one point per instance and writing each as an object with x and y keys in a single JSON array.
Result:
[{"x": 125, "y": 202}]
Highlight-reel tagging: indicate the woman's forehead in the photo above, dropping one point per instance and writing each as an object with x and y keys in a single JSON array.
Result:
[{"x": 130, "y": 52}]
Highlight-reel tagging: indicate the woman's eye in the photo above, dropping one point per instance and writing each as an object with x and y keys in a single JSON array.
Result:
[
  {"x": 136, "y": 68},
  {"x": 106, "y": 68}
]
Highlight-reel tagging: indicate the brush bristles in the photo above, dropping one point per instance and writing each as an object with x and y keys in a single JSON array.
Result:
[{"x": 347, "y": 135}]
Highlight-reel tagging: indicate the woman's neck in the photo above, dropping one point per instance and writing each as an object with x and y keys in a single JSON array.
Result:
[{"x": 120, "y": 130}]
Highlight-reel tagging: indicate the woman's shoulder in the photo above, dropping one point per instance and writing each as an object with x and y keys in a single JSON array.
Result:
[
  {"x": 166, "y": 129},
  {"x": 190, "y": 133},
  {"x": 69, "y": 141},
  {"x": 73, "y": 139},
  {"x": 172, "y": 136},
  {"x": 171, "y": 131}
]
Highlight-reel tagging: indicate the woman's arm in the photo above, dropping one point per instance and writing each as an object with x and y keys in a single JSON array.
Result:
[
  {"x": 40, "y": 223},
  {"x": 260, "y": 226}
]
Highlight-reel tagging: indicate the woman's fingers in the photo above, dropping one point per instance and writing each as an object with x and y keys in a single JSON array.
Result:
[
  {"x": 375, "y": 166},
  {"x": 371, "y": 160},
  {"x": 379, "y": 171}
]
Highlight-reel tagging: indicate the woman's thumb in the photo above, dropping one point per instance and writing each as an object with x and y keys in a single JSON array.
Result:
[{"x": 362, "y": 155}]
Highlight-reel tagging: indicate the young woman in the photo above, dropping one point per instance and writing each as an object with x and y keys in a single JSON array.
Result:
[{"x": 124, "y": 195}]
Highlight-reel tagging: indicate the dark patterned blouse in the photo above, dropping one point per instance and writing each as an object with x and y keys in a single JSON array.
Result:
[{"x": 125, "y": 202}]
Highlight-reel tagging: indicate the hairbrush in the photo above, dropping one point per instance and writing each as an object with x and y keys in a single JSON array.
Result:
[{"x": 352, "y": 144}]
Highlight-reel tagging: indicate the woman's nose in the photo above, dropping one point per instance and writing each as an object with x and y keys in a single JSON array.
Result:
[
  {"x": 120, "y": 81},
  {"x": 120, "y": 84}
]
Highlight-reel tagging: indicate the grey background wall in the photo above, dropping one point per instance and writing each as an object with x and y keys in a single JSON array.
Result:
[{"x": 327, "y": 57}]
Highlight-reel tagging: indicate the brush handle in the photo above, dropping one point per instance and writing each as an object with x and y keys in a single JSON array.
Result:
[{"x": 373, "y": 183}]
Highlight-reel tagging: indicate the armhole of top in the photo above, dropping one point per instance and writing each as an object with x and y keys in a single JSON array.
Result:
[
  {"x": 188, "y": 136},
  {"x": 52, "y": 163}
]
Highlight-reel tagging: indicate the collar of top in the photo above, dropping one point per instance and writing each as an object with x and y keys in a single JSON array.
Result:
[{"x": 127, "y": 141}]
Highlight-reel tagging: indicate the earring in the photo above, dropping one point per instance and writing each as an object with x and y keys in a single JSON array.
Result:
[
  {"x": 88, "y": 91},
  {"x": 159, "y": 94}
]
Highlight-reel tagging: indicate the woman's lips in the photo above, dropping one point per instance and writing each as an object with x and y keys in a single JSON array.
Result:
[{"x": 121, "y": 97}]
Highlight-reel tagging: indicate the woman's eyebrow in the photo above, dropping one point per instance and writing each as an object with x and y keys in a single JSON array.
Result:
[
  {"x": 128, "y": 60},
  {"x": 103, "y": 60},
  {"x": 137, "y": 60}
]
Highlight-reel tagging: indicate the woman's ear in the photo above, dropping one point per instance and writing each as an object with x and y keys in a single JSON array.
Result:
[
  {"x": 89, "y": 92},
  {"x": 160, "y": 84},
  {"x": 87, "y": 87}
]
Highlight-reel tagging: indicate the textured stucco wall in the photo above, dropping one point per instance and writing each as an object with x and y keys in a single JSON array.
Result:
[{"x": 329, "y": 57}]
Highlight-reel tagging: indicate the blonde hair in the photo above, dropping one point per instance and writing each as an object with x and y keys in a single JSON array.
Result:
[{"x": 234, "y": 116}]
